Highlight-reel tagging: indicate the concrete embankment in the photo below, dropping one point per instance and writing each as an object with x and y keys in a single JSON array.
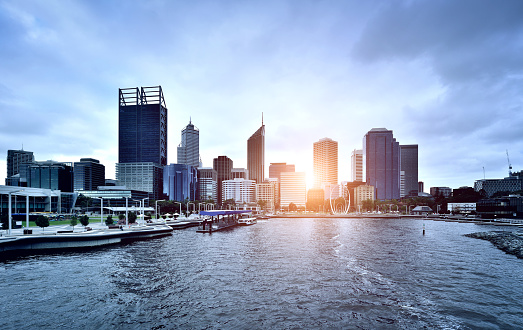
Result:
[
  {"x": 511, "y": 243},
  {"x": 75, "y": 240}
]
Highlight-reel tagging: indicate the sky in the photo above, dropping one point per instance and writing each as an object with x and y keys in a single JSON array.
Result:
[{"x": 446, "y": 75}]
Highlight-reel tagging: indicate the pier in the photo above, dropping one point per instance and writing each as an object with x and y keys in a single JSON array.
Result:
[{"x": 220, "y": 220}]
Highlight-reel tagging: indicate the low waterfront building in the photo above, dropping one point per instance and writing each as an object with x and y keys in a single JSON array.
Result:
[
  {"x": 461, "y": 208},
  {"x": 501, "y": 207},
  {"x": 40, "y": 200},
  {"x": 116, "y": 196}
]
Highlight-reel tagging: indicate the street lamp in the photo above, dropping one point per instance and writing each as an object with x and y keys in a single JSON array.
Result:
[
  {"x": 180, "y": 208},
  {"x": 10, "y": 216},
  {"x": 101, "y": 209},
  {"x": 193, "y": 207},
  {"x": 156, "y": 208}
]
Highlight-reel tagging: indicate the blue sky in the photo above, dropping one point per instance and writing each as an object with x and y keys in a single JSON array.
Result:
[{"x": 446, "y": 75}]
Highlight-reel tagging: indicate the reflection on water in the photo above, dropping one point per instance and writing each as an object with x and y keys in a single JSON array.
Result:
[{"x": 283, "y": 273}]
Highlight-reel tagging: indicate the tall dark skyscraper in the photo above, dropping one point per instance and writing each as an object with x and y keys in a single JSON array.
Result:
[
  {"x": 142, "y": 139},
  {"x": 409, "y": 170},
  {"x": 382, "y": 163},
  {"x": 189, "y": 148},
  {"x": 223, "y": 166},
  {"x": 256, "y": 155},
  {"x": 142, "y": 126}
]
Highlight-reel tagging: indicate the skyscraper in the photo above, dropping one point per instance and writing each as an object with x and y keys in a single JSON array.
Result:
[
  {"x": 89, "y": 174},
  {"x": 409, "y": 170},
  {"x": 207, "y": 182},
  {"x": 189, "y": 148},
  {"x": 325, "y": 162},
  {"x": 382, "y": 163},
  {"x": 180, "y": 182},
  {"x": 223, "y": 167},
  {"x": 356, "y": 160},
  {"x": 142, "y": 139},
  {"x": 275, "y": 171},
  {"x": 256, "y": 155}
]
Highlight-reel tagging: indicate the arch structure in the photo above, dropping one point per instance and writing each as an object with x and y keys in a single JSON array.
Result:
[{"x": 339, "y": 208}]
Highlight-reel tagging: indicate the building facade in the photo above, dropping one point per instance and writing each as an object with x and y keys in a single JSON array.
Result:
[
  {"x": 382, "y": 163},
  {"x": 409, "y": 170},
  {"x": 242, "y": 173},
  {"x": 141, "y": 176},
  {"x": 240, "y": 190},
  {"x": 48, "y": 175},
  {"x": 256, "y": 155},
  {"x": 208, "y": 184},
  {"x": 89, "y": 174},
  {"x": 325, "y": 160},
  {"x": 223, "y": 167},
  {"x": 14, "y": 159},
  {"x": 40, "y": 200},
  {"x": 142, "y": 137},
  {"x": 292, "y": 189},
  {"x": 356, "y": 161},
  {"x": 180, "y": 182},
  {"x": 443, "y": 191},
  {"x": 489, "y": 187},
  {"x": 189, "y": 148},
  {"x": 362, "y": 193},
  {"x": 265, "y": 193}
]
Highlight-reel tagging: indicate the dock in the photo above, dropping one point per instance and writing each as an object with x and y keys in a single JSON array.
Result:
[{"x": 220, "y": 220}]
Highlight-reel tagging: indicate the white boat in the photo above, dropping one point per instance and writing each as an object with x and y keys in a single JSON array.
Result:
[{"x": 246, "y": 221}]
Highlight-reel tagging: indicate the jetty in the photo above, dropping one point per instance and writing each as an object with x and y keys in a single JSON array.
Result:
[{"x": 220, "y": 220}]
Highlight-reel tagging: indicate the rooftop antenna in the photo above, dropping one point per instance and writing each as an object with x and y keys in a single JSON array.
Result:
[
  {"x": 509, "y": 165},
  {"x": 483, "y": 172},
  {"x": 262, "y": 118}
]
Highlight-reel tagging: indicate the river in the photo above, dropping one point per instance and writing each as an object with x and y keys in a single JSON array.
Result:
[{"x": 279, "y": 273}]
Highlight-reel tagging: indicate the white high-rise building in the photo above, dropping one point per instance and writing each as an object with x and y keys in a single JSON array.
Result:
[
  {"x": 292, "y": 189},
  {"x": 356, "y": 161},
  {"x": 239, "y": 189},
  {"x": 208, "y": 183},
  {"x": 189, "y": 148},
  {"x": 325, "y": 162}
]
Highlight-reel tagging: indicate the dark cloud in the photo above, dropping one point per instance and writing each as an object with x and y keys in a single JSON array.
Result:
[{"x": 464, "y": 40}]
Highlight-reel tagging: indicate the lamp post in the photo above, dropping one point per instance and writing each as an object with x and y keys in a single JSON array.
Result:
[
  {"x": 180, "y": 207},
  {"x": 126, "y": 211},
  {"x": 143, "y": 209},
  {"x": 156, "y": 208},
  {"x": 101, "y": 209},
  {"x": 193, "y": 207},
  {"x": 10, "y": 216}
]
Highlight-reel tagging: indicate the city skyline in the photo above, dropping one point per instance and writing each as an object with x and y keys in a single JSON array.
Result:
[{"x": 314, "y": 70}]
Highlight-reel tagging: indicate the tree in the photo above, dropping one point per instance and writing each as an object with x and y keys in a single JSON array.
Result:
[
  {"x": 109, "y": 220},
  {"x": 74, "y": 221},
  {"x": 42, "y": 222},
  {"x": 132, "y": 217},
  {"x": 262, "y": 204},
  {"x": 84, "y": 201},
  {"x": 292, "y": 207},
  {"x": 121, "y": 217},
  {"x": 84, "y": 220}
]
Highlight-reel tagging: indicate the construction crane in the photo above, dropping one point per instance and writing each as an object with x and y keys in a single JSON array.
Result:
[{"x": 509, "y": 165}]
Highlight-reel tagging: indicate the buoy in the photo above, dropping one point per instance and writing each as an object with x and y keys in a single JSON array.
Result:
[{"x": 423, "y": 229}]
